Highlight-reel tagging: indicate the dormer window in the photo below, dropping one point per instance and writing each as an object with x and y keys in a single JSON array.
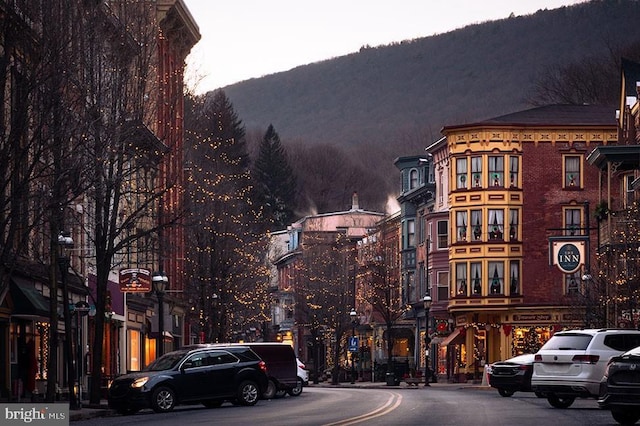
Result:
[{"x": 413, "y": 179}]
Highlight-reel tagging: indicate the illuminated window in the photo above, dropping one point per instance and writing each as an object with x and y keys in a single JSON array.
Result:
[
  {"x": 513, "y": 224},
  {"x": 496, "y": 277},
  {"x": 476, "y": 224},
  {"x": 476, "y": 171},
  {"x": 476, "y": 278},
  {"x": 496, "y": 224},
  {"x": 461, "y": 173},
  {"x": 572, "y": 221},
  {"x": 134, "y": 361},
  {"x": 572, "y": 178},
  {"x": 461, "y": 226},
  {"x": 496, "y": 170},
  {"x": 513, "y": 171},
  {"x": 514, "y": 277},
  {"x": 461, "y": 279}
]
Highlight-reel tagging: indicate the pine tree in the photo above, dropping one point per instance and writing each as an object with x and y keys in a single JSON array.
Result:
[
  {"x": 275, "y": 181},
  {"x": 228, "y": 280}
]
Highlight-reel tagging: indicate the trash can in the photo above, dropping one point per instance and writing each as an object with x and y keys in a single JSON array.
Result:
[{"x": 391, "y": 379}]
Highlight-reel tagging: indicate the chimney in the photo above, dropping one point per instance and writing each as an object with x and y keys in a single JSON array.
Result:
[{"x": 354, "y": 202}]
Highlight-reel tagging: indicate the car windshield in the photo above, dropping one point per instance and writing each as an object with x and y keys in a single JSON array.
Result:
[
  {"x": 567, "y": 342},
  {"x": 166, "y": 362}
]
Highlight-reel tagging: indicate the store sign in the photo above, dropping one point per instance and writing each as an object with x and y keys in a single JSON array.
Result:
[
  {"x": 135, "y": 280},
  {"x": 567, "y": 255}
]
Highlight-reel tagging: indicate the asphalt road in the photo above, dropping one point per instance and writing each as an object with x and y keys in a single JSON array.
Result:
[{"x": 328, "y": 406}]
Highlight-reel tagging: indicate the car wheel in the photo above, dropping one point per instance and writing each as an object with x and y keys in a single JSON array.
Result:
[
  {"x": 626, "y": 417},
  {"x": 298, "y": 389},
  {"x": 560, "y": 402},
  {"x": 212, "y": 403},
  {"x": 163, "y": 399},
  {"x": 505, "y": 393},
  {"x": 248, "y": 393},
  {"x": 271, "y": 390}
]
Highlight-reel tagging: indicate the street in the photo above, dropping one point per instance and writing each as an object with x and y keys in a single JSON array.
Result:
[{"x": 438, "y": 405}]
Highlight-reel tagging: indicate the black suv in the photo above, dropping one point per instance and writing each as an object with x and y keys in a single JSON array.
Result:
[
  {"x": 620, "y": 387},
  {"x": 207, "y": 375}
]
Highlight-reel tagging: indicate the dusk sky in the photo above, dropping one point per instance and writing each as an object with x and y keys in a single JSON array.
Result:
[{"x": 245, "y": 39}]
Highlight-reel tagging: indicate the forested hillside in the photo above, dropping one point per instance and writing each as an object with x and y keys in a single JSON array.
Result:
[{"x": 388, "y": 101}]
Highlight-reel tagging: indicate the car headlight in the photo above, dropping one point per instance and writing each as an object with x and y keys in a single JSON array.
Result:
[{"x": 138, "y": 383}]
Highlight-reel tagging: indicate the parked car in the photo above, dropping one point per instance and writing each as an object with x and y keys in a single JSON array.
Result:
[
  {"x": 512, "y": 375},
  {"x": 282, "y": 370},
  {"x": 620, "y": 387},
  {"x": 572, "y": 363},
  {"x": 209, "y": 375},
  {"x": 303, "y": 373}
]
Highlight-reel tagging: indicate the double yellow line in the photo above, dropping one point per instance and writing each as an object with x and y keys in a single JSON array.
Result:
[{"x": 394, "y": 401}]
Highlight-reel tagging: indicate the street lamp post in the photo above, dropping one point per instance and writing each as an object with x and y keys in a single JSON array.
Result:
[
  {"x": 427, "y": 340},
  {"x": 65, "y": 242},
  {"x": 160, "y": 281},
  {"x": 354, "y": 317}
]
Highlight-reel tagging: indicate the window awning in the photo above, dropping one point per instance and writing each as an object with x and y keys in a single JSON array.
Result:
[
  {"x": 450, "y": 339},
  {"x": 27, "y": 301}
]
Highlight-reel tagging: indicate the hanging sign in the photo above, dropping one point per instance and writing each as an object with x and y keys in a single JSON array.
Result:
[
  {"x": 567, "y": 254},
  {"x": 135, "y": 280}
]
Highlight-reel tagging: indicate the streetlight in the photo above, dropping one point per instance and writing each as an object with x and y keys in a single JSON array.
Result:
[
  {"x": 65, "y": 242},
  {"x": 427, "y": 340},
  {"x": 160, "y": 281},
  {"x": 354, "y": 318}
]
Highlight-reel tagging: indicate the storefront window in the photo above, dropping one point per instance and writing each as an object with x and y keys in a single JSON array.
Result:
[{"x": 134, "y": 350}]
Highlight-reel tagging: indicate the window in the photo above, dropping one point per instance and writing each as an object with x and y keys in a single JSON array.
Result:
[
  {"x": 413, "y": 179},
  {"x": 410, "y": 291},
  {"x": 496, "y": 224},
  {"x": 461, "y": 226},
  {"x": 514, "y": 277},
  {"x": 476, "y": 279},
  {"x": 443, "y": 285},
  {"x": 411, "y": 233},
  {"x": 422, "y": 225},
  {"x": 513, "y": 224},
  {"x": 476, "y": 171},
  {"x": 572, "y": 171},
  {"x": 496, "y": 275},
  {"x": 629, "y": 197},
  {"x": 513, "y": 171},
  {"x": 422, "y": 278},
  {"x": 461, "y": 279},
  {"x": 440, "y": 188},
  {"x": 572, "y": 224},
  {"x": 443, "y": 233},
  {"x": 461, "y": 173},
  {"x": 496, "y": 170},
  {"x": 476, "y": 223}
]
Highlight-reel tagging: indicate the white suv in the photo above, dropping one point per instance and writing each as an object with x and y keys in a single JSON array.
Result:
[{"x": 571, "y": 364}]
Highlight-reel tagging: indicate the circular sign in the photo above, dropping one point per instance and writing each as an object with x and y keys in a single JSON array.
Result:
[{"x": 569, "y": 258}]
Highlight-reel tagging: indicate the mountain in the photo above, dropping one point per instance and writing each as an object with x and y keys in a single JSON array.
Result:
[{"x": 394, "y": 99}]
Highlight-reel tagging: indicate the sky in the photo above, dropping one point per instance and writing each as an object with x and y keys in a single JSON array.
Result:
[{"x": 244, "y": 39}]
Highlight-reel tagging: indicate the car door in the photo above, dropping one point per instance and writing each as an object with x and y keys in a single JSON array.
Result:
[
  {"x": 222, "y": 373},
  {"x": 192, "y": 381}
]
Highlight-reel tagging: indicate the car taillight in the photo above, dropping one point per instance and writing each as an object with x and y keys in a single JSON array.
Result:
[
  {"x": 586, "y": 359},
  {"x": 263, "y": 366},
  {"x": 525, "y": 367},
  {"x": 538, "y": 358}
]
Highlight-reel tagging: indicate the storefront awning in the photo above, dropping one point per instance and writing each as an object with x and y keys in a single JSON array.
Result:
[
  {"x": 27, "y": 301},
  {"x": 451, "y": 338}
]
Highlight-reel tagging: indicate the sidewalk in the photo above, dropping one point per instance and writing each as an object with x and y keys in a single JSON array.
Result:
[{"x": 89, "y": 411}]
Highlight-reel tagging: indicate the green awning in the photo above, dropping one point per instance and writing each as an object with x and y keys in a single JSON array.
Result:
[{"x": 27, "y": 301}]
